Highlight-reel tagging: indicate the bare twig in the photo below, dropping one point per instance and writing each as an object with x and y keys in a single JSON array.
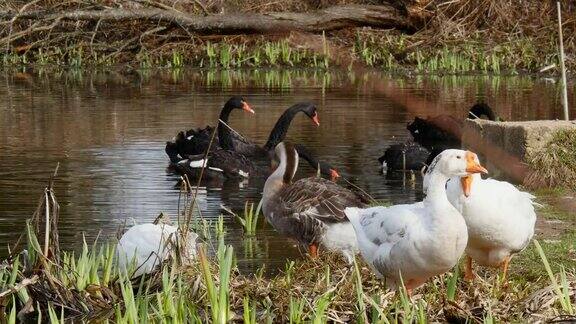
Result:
[
  {"x": 22, "y": 284},
  {"x": 47, "y": 224},
  {"x": 32, "y": 29},
  {"x": 22, "y": 9}
]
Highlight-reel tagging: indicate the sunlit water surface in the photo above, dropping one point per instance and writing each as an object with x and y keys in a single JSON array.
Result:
[{"x": 108, "y": 130}]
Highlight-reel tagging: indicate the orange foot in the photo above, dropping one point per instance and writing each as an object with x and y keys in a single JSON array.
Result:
[
  {"x": 469, "y": 273},
  {"x": 313, "y": 250},
  {"x": 504, "y": 266}
]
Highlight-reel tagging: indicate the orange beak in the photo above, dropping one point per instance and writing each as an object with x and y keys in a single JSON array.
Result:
[
  {"x": 466, "y": 185},
  {"x": 472, "y": 166},
  {"x": 334, "y": 175},
  {"x": 246, "y": 107},
  {"x": 315, "y": 119}
]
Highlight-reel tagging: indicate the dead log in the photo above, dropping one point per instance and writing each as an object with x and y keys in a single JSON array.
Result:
[{"x": 333, "y": 18}]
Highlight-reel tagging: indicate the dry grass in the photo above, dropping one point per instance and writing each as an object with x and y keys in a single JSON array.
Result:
[
  {"x": 459, "y": 36},
  {"x": 58, "y": 285},
  {"x": 555, "y": 164},
  {"x": 311, "y": 280}
]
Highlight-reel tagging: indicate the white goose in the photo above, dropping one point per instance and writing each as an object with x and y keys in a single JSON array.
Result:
[
  {"x": 500, "y": 219},
  {"x": 415, "y": 242},
  {"x": 145, "y": 246}
]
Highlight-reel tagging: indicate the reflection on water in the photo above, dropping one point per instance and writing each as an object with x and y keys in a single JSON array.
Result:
[{"x": 108, "y": 130}]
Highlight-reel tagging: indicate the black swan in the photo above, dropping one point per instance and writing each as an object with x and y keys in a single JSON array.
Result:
[
  {"x": 217, "y": 164},
  {"x": 279, "y": 131},
  {"x": 404, "y": 156},
  {"x": 195, "y": 141},
  {"x": 225, "y": 162},
  {"x": 431, "y": 136},
  {"x": 325, "y": 169},
  {"x": 445, "y": 130},
  {"x": 192, "y": 165}
]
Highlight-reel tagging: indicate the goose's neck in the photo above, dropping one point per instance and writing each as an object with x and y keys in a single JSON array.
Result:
[
  {"x": 282, "y": 176},
  {"x": 224, "y": 134},
  {"x": 436, "y": 191},
  {"x": 274, "y": 182},
  {"x": 280, "y": 129}
]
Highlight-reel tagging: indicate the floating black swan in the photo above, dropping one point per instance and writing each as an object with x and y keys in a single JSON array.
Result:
[
  {"x": 196, "y": 141},
  {"x": 226, "y": 161},
  {"x": 445, "y": 130},
  {"x": 404, "y": 156},
  {"x": 431, "y": 136},
  {"x": 192, "y": 165}
]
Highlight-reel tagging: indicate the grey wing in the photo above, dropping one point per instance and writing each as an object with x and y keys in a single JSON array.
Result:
[
  {"x": 320, "y": 199},
  {"x": 306, "y": 230}
]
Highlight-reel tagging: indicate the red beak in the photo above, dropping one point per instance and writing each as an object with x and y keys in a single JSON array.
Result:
[
  {"x": 315, "y": 119},
  {"x": 246, "y": 107},
  {"x": 334, "y": 175}
]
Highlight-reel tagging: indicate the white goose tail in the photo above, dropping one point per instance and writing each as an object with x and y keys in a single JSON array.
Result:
[
  {"x": 365, "y": 245},
  {"x": 353, "y": 214}
]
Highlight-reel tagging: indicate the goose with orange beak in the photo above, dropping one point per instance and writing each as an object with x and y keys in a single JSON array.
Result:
[
  {"x": 412, "y": 243},
  {"x": 500, "y": 218},
  {"x": 310, "y": 210}
]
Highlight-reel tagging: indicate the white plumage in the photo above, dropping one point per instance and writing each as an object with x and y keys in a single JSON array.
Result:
[
  {"x": 143, "y": 247},
  {"x": 500, "y": 219},
  {"x": 421, "y": 240},
  {"x": 198, "y": 163}
]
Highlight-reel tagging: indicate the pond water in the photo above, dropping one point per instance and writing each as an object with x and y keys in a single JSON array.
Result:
[{"x": 107, "y": 130}]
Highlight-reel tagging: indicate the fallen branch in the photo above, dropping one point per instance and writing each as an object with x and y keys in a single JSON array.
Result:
[
  {"x": 334, "y": 18},
  {"x": 25, "y": 282}
]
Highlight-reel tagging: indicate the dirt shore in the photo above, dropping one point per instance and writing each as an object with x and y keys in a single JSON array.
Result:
[{"x": 421, "y": 36}]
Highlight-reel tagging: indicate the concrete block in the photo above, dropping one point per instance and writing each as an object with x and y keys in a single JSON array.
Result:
[{"x": 509, "y": 145}]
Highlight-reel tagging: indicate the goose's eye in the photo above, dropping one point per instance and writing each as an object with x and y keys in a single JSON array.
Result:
[{"x": 458, "y": 157}]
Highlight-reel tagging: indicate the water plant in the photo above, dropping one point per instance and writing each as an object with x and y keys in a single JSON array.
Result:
[
  {"x": 249, "y": 219},
  {"x": 219, "y": 299},
  {"x": 66, "y": 286}
]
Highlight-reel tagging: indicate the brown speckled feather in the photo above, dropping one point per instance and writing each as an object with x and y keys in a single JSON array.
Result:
[{"x": 303, "y": 209}]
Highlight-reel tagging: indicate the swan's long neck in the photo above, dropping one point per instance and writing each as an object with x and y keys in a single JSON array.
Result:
[
  {"x": 224, "y": 134},
  {"x": 283, "y": 174},
  {"x": 304, "y": 153},
  {"x": 280, "y": 129}
]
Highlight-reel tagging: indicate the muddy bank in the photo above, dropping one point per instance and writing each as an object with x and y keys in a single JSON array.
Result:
[{"x": 423, "y": 36}]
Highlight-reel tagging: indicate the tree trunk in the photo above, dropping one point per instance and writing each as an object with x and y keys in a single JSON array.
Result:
[{"x": 334, "y": 18}]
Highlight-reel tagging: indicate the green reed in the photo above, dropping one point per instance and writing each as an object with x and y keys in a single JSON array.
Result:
[
  {"x": 204, "y": 292},
  {"x": 452, "y": 284},
  {"x": 561, "y": 289},
  {"x": 90, "y": 285},
  {"x": 219, "y": 298}
]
